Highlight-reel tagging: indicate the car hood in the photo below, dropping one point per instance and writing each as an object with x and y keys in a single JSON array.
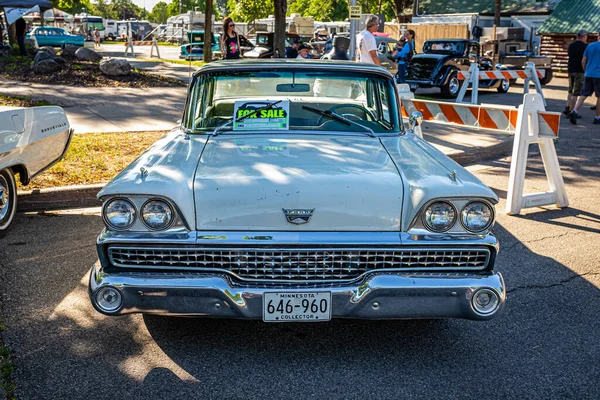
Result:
[
  {"x": 244, "y": 182},
  {"x": 430, "y": 58},
  {"x": 166, "y": 169},
  {"x": 257, "y": 51}
]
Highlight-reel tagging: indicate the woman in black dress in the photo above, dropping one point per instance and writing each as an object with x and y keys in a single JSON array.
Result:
[{"x": 230, "y": 41}]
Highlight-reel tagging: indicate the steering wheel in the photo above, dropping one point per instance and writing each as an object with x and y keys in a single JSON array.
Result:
[{"x": 332, "y": 109}]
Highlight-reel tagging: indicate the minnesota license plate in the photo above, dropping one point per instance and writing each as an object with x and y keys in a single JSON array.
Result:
[{"x": 297, "y": 307}]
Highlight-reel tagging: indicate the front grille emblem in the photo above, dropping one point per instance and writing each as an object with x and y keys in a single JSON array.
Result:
[{"x": 298, "y": 216}]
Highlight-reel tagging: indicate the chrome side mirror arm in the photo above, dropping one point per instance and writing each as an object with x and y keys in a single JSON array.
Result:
[{"x": 414, "y": 123}]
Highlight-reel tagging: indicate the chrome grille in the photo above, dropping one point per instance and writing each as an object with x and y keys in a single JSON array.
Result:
[{"x": 299, "y": 264}]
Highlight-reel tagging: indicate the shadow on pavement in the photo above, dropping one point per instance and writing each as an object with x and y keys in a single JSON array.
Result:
[{"x": 63, "y": 348}]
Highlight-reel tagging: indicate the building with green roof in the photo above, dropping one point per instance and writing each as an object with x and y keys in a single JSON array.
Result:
[{"x": 560, "y": 29}]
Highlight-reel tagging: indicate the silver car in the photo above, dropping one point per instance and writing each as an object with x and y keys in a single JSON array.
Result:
[{"x": 293, "y": 192}]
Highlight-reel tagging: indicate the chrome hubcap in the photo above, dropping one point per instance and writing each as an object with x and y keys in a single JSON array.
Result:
[
  {"x": 454, "y": 85},
  {"x": 505, "y": 85},
  {"x": 4, "y": 198}
]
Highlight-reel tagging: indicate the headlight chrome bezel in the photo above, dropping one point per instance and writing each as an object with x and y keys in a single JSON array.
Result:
[
  {"x": 169, "y": 206},
  {"x": 488, "y": 226},
  {"x": 419, "y": 225},
  {"x": 424, "y": 216},
  {"x": 105, "y": 216}
]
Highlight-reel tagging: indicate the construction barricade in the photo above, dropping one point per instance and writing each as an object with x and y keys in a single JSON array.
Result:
[
  {"x": 530, "y": 123},
  {"x": 473, "y": 75},
  {"x": 130, "y": 43}
]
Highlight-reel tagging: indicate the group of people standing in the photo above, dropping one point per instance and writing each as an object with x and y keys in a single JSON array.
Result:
[
  {"x": 584, "y": 76},
  {"x": 367, "y": 47}
]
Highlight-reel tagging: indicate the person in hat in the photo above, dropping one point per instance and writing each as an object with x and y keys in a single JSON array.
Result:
[
  {"x": 575, "y": 70},
  {"x": 292, "y": 51},
  {"x": 303, "y": 51}
]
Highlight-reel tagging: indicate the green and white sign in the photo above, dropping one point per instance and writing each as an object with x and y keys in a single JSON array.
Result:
[{"x": 261, "y": 114}]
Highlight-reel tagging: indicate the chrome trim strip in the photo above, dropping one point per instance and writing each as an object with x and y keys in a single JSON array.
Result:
[
  {"x": 294, "y": 250},
  {"x": 283, "y": 238}
]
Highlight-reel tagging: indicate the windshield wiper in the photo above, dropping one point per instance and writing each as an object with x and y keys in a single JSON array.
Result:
[
  {"x": 339, "y": 118},
  {"x": 219, "y": 128}
]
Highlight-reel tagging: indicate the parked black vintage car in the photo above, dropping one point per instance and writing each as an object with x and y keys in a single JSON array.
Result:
[
  {"x": 440, "y": 61},
  {"x": 264, "y": 44}
]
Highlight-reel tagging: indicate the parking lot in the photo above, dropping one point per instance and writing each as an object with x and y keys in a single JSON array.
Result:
[{"x": 545, "y": 344}]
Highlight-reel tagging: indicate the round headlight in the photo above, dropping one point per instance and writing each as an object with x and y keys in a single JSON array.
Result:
[
  {"x": 476, "y": 216},
  {"x": 157, "y": 214},
  {"x": 119, "y": 214},
  {"x": 439, "y": 216}
]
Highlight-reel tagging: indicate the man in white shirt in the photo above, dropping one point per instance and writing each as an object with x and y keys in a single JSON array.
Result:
[{"x": 367, "y": 47}]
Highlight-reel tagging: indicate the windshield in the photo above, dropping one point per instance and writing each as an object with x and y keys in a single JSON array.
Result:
[
  {"x": 444, "y": 47},
  {"x": 305, "y": 101}
]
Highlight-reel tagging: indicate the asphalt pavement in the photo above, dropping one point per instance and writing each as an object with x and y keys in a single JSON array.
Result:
[{"x": 544, "y": 345}]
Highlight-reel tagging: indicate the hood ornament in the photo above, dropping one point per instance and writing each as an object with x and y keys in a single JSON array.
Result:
[{"x": 298, "y": 216}]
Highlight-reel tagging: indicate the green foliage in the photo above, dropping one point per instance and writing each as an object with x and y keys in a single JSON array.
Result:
[
  {"x": 320, "y": 10},
  {"x": 159, "y": 13},
  {"x": 249, "y": 10},
  {"x": 186, "y": 5}
]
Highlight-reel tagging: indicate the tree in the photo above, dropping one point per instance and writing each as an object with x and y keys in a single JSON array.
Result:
[
  {"x": 280, "y": 9},
  {"x": 250, "y": 10},
  {"x": 186, "y": 5},
  {"x": 159, "y": 13},
  {"x": 320, "y": 10}
]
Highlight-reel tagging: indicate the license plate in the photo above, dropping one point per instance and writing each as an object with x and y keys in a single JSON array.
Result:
[{"x": 297, "y": 307}]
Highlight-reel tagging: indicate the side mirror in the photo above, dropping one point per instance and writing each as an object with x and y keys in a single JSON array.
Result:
[{"x": 416, "y": 118}]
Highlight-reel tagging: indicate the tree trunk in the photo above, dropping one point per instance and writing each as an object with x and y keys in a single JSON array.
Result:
[
  {"x": 208, "y": 32},
  {"x": 497, "y": 8},
  {"x": 279, "y": 36}
]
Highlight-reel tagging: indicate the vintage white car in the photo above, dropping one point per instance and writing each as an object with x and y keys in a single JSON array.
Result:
[
  {"x": 31, "y": 141},
  {"x": 293, "y": 192}
]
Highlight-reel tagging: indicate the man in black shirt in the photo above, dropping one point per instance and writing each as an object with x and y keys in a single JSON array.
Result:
[{"x": 575, "y": 70}]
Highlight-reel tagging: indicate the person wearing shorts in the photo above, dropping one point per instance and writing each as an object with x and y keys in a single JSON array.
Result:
[
  {"x": 575, "y": 70},
  {"x": 591, "y": 82}
]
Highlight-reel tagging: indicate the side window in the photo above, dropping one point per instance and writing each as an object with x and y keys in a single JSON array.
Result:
[
  {"x": 473, "y": 50},
  {"x": 391, "y": 47},
  {"x": 384, "y": 112}
]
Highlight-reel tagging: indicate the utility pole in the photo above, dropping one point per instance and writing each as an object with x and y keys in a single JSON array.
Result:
[
  {"x": 353, "y": 24},
  {"x": 208, "y": 32}
]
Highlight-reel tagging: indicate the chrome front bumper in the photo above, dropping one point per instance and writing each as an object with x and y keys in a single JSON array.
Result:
[{"x": 376, "y": 296}]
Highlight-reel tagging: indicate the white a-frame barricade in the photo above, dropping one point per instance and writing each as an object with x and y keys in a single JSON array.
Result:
[
  {"x": 530, "y": 123},
  {"x": 528, "y": 132},
  {"x": 473, "y": 75},
  {"x": 154, "y": 43}
]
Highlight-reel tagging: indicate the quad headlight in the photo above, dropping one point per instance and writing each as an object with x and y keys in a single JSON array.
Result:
[
  {"x": 476, "y": 216},
  {"x": 119, "y": 214},
  {"x": 439, "y": 216},
  {"x": 157, "y": 214}
]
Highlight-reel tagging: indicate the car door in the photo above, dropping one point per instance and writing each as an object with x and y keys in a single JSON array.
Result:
[
  {"x": 40, "y": 36},
  {"x": 52, "y": 38}
]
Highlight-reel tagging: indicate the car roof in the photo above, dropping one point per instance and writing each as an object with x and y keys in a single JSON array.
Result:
[
  {"x": 452, "y": 40},
  {"x": 278, "y": 63}
]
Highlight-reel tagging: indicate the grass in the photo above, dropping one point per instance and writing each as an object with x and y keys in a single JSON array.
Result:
[
  {"x": 95, "y": 158},
  {"x": 181, "y": 62},
  {"x": 6, "y": 368},
  {"x": 20, "y": 101}
]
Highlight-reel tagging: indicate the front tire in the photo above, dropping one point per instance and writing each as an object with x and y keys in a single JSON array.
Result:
[
  {"x": 504, "y": 86},
  {"x": 546, "y": 79},
  {"x": 452, "y": 87},
  {"x": 8, "y": 200}
]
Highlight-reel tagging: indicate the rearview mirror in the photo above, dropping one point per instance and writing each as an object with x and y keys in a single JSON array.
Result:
[{"x": 293, "y": 87}]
